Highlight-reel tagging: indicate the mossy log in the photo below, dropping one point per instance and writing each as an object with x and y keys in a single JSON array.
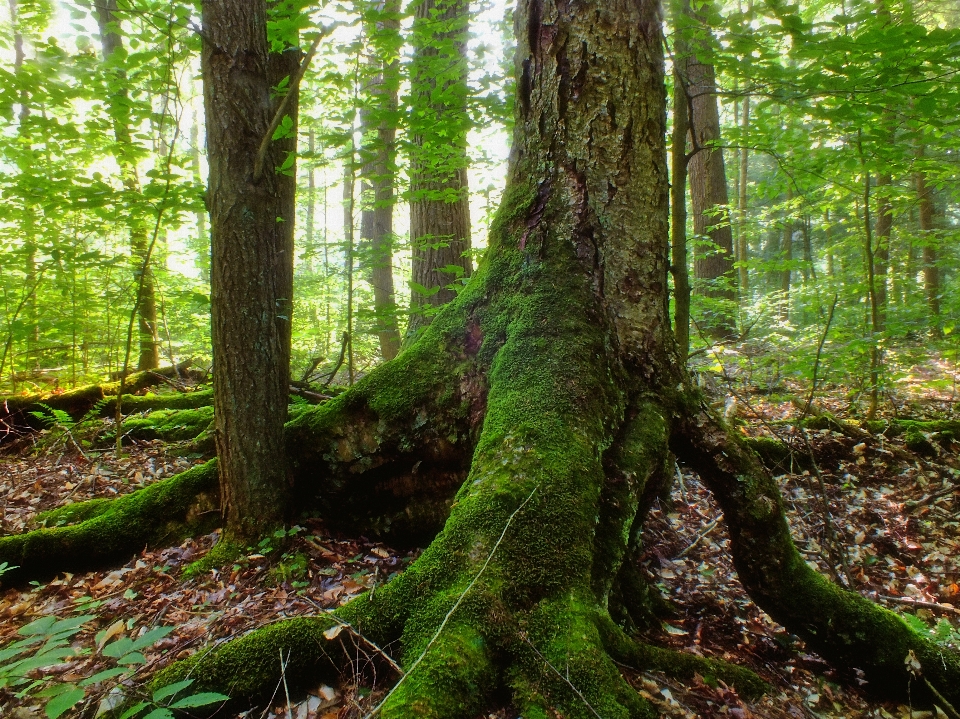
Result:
[
  {"x": 170, "y": 425},
  {"x": 16, "y": 410},
  {"x": 98, "y": 532}
]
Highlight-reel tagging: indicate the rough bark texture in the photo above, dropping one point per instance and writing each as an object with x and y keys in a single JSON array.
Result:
[
  {"x": 439, "y": 202},
  {"x": 379, "y": 156},
  {"x": 251, "y": 222},
  {"x": 678, "y": 215},
  {"x": 742, "y": 243},
  {"x": 713, "y": 258},
  {"x": 112, "y": 41}
]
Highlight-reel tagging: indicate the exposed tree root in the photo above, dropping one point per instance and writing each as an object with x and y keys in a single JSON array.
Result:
[
  {"x": 113, "y": 530},
  {"x": 843, "y": 627}
]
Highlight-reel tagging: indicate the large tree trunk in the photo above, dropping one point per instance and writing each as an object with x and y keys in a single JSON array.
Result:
[
  {"x": 550, "y": 392},
  {"x": 252, "y": 261},
  {"x": 713, "y": 258},
  {"x": 439, "y": 201},
  {"x": 112, "y": 42},
  {"x": 379, "y": 156}
]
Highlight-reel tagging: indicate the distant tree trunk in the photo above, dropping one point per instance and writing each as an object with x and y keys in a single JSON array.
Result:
[
  {"x": 252, "y": 267},
  {"x": 744, "y": 247},
  {"x": 201, "y": 245},
  {"x": 678, "y": 215},
  {"x": 28, "y": 226},
  {"x": 713, "y": 265},
  {"x": 378, "y": 128},
  {"x": 931, "y": 273},
  {"x": 881, "y": 252},
  {"x": 786, "y": 257},
  {"x": 439, "y": 201},
  {"x": 112, "y": 41}
]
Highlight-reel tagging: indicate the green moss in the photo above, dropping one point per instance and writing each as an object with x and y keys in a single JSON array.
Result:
[
  {"x": 150, "y": 401},
  {"x": 162, "y": 513},
  {"x": 73, "y": 513},
  {"x": 678, "y": 665},
  {"x": 169, "y": 425},
  {"x": 247, "y": 669},
  {"x": 221, "y": 554}
]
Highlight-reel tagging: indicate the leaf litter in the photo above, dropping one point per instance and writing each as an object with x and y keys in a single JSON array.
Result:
[{"x": 898, "y": 520}]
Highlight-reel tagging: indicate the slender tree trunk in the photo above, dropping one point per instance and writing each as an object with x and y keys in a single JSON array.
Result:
[
  {"x": 252, "y": 261},
  {"x": 378, "y": 127},
  {"x": 201, "y": 245},
  {"x": 742, "y": 202},
  {"x": 678, "y": 215},
  {"x": 874, "y": 302},
  {"x": 881, "y": 245},
  {"x": 713, "y": 264},
  {"x": 786, "y": 256},
  {"x": 112, "y": 41},
  {"x": 439, "y": 201},
  {"x": 931, "y": 273}
]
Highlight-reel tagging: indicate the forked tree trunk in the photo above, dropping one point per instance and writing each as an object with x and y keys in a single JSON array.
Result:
[
  {"x": 550, "y": 392},
  {"x": 112, "y": 42},
  {"x": 252, "y": 261},
  {"x": 439, "y": 201}
]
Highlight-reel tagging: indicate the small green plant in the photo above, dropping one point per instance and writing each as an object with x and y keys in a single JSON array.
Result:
[
  {"x": 54, "y": 418},
  {"x": 943, "y": 632},
  {"x": 47, "y": 642}
]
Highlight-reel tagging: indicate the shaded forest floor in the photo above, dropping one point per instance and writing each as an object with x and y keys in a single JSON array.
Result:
[{"x": 895, "y": 513}]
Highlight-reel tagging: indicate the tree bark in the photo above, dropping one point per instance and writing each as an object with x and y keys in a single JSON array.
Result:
[
  {"x": 439, "y": 201},
  {"x": 881, "y": 251},
  {"x": 112, "y": 41},
  {"x": 786, "y": 256},
  {"x": 678, "y": 215},
  {"x": 713, "y": 259},
  {"x": 742, "y": 243},
  {"x": 379, "y": 157},
  {"x": 931, "y": 273},
  {"x": 251, "y": 221}
]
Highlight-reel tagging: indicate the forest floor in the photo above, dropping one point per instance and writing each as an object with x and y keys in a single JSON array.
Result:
[{"x": 895, "y": 515}]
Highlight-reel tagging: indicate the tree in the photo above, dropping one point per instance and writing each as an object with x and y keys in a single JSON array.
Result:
[
  {"x": 439, "y": 203},
  {"x": 251, "y": 204},
  {"x": 713, "y": 258},
  {"x": 378, "y": 119},
  {"x": 125, "y": 154},
  {"x": 543, "y": 405}
]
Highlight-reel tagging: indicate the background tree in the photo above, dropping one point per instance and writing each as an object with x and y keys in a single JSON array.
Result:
[{"x": 438, "y": 124}]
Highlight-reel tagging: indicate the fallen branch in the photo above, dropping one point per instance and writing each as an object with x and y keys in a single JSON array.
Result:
[{"x": 920, "y": 604}]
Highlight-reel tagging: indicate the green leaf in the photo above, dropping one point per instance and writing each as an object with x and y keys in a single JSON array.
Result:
[
  {"x": 199, "y": 700},
  {"x": 171, "y": 689},
  {"x": 58, "y": 705},
  {"x": 105, "y": 674},
  {"x": 134, "y": 710},
  {"x": 160, "y": 713}
]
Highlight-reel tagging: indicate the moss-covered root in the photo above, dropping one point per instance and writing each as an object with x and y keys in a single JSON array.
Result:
[
  {"x": 678, "y": 665},
  {"x": 305, "y": 652},
  {"x": 114, "y": 530},
  {"x": 841, "y": 626},
  {"x": 562, "y": 668}
]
